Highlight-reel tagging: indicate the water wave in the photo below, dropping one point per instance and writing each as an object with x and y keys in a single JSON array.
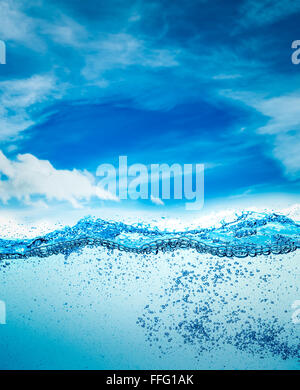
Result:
[{"x": 250, "y": 234}]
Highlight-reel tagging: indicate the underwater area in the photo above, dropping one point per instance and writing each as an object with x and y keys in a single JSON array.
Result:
[{"x": 109, "y": 295}]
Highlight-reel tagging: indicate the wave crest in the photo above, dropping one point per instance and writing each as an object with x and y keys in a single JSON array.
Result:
[{"x": 250, "y": 234}]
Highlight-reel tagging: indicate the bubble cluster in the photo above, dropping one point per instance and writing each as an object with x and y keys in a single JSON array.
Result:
[{"x": 226, "y": 302}]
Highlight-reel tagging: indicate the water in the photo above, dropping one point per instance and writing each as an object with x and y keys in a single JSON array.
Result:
[
  {"x": 109, "y": 295},
  {"x": 251, "y": 234}
]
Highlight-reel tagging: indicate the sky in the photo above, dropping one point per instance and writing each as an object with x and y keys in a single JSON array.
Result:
[{"x": 194, "y": 82}]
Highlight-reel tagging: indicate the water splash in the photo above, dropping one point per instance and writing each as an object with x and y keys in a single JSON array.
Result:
[{"x": 250, "y": 234}]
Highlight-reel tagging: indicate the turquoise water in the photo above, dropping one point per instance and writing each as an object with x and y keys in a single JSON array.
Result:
[{"x": 106, "y": 295}]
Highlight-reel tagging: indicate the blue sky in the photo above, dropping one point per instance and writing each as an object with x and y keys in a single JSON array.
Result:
[{"x": 159, "y": 81}]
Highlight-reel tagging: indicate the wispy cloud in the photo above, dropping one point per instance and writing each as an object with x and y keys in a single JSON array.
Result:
[
  {"x": 65, "y": 31},
  {"x": 282, "y": 128},
  {"x": 18, "y": 99},
  {"x": 118, "y": 51},
  {"x": 263, "y": 12},
  {"x": 15, "y": 24}
]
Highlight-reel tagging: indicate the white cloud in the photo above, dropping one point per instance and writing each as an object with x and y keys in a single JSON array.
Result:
[
  {"x": 283, "y": 112},
  {"x": 17, "y": 26},
  {"x": 282, "y": 130},
  {"x": 122, "y": 50},
  {"x": 17, "y": 98},
  {"x": 66, "y": 31},
  {"x": 223, "y": 76},
  {"x": 286, "y": 148},
  {"x": 28, "y": 176}
]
